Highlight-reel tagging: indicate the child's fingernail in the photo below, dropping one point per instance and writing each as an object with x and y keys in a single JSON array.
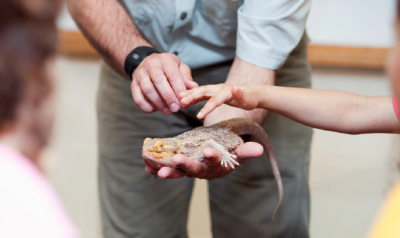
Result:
[{"x": 200, "y": 114}]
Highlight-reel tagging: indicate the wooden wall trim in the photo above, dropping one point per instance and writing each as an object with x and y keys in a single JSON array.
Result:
[
  {"x": 350, "y": 57},
  {"x": 74, "y": 44}
]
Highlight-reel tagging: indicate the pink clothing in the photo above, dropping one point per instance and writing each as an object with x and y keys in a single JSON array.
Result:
[
  {"x": 396, "y": 107},
  {"x": 29, "y": 207}
]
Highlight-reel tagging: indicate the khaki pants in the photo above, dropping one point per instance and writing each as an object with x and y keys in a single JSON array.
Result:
[{"x": 134, "y": 204}]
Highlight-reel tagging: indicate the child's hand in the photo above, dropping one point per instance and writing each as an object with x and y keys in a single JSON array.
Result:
[{"x": 243, "y": 97}]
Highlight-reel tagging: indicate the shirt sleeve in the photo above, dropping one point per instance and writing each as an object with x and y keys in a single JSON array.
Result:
[{"x": 269, "y": 30}]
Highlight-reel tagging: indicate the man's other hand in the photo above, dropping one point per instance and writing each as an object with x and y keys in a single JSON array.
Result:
[
  {"x": 157, "y": 82},
  {"x": 210, "y": 168}
]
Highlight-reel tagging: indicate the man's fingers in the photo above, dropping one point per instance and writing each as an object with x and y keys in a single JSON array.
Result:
[
  {"x": 170, "y": 64},
  {"x": 191, "y": 167},
  {"x": 139, "y": 98},
  {"x": 165, "y": 172},
  {"x": 187, "y": 76},
  {"x": 163, "y": 81},
  {"x": 248, "y": 150},
  {"x": 151, "y": 93},
  {"x": 160, "y": 81},
  {"x": 170, "y": 173},
  {"x": 212, "y": 158},
  {"x": 151, "y": 170}
]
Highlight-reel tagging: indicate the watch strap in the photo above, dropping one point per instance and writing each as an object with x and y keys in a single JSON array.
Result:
[{"x": 135, "y": 57}]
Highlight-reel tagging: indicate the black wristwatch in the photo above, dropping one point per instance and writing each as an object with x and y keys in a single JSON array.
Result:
[{"x": 136, "y": 56}]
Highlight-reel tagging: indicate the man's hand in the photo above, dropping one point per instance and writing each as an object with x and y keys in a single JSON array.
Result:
[
  {"x": 210, "y": 168},
  {"x": 158, "y": 81}
]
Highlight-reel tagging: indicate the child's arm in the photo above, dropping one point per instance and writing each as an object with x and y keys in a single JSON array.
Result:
[{"x": 324, "y": 109}]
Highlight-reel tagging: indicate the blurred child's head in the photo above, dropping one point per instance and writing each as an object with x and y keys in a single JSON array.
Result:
[{"x": 27, "y": 45}]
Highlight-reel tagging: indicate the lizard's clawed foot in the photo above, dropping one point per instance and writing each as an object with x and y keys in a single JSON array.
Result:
[{"x": 228, "y": 158}]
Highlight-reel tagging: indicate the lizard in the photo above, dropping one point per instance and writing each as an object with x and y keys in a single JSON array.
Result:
[{"x": 223, "y": 137}]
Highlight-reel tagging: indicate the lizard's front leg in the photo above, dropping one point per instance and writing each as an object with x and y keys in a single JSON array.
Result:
[
  {"x": 226, "y": 157},
  {"x": 197, "y": 152}
]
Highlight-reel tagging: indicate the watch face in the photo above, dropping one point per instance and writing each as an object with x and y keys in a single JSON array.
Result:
[{"x": 135, "y": 56}]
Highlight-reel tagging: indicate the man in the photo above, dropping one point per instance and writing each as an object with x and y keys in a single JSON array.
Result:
[{"x": 257, "y": 42}]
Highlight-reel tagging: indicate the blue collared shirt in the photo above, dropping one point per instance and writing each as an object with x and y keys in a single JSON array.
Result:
[{"x": 206, "y": 32}]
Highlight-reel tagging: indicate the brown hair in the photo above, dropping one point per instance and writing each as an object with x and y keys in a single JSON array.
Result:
[{"x": 27, "y": 40}]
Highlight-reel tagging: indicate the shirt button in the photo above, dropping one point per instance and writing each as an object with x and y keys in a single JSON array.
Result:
[
  {"x": 183, "y": 16},
  {"x": 175, "y": 53}
]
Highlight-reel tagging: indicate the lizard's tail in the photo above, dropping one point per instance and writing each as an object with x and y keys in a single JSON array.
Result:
[
  {"x": 241, "y": 126},
  {"x": 275, "y": 170}
]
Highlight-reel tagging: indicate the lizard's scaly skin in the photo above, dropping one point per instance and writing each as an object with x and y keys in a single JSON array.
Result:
[{"x": 223, "y": 137}]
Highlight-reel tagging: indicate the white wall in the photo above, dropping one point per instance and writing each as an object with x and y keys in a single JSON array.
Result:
[
  {"x": 65, "y": 21},
  {"x": 361, "y": 23}
]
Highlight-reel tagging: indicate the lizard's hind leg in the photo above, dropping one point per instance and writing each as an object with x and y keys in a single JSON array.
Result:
[{"x": 226, "y": 157}]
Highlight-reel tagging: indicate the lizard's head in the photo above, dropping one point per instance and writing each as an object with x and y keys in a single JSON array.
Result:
[{"x": 158, "y": 152}]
